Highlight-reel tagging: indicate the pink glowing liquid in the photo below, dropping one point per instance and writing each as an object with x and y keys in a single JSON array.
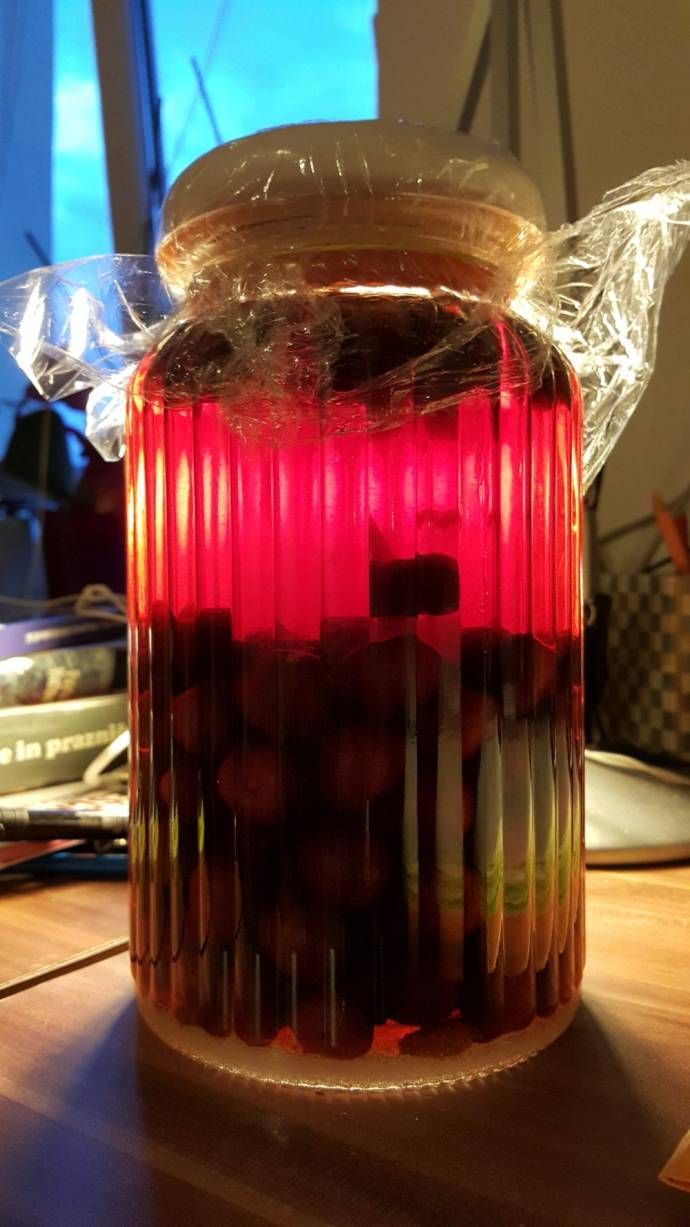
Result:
[{"x": 356, "y": 712}]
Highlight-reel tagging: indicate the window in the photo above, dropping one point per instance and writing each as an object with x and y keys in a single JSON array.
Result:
[
  {"x": 262, "y": 63},
  {"x": 81, "y": 213}
]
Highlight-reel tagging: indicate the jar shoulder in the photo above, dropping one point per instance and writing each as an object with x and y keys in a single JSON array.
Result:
[{"x": 340, "y": 343}]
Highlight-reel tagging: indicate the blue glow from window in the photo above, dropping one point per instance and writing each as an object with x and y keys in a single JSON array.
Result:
[
  {"x": 264, "y": 62},
  {"x": 81, "y": 210}
]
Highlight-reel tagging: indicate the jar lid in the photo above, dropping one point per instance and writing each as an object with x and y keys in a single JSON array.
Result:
[
  {"x": 343, "y": 170},
  {"x": 361, "y": 158}
]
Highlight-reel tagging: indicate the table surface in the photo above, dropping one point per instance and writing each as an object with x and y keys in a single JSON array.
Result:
[
  {"x": 101, "y": 1124},
  {"x": 45, "y": 924}
]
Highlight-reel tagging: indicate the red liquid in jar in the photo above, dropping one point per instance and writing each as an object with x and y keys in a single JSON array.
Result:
[{"x": 356, "y": 701}]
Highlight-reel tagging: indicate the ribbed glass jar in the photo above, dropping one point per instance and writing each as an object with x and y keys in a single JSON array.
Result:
[{"x": 356, "y": 695}]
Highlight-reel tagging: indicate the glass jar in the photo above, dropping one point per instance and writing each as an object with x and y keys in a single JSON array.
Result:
[{"x": 355, "y": 611}]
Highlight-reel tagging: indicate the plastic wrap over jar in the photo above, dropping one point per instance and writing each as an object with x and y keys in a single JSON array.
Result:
[
  {"x": 593, "y": 288},
  {"x": 611, "y": 271},
  {"x": 85, "y": 324}
]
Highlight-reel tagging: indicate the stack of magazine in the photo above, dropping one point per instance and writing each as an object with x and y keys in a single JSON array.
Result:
[
  {"x": 63, "y": 697},
  {"x": 63, "y": 701}
]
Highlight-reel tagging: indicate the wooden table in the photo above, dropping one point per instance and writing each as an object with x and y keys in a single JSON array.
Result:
[
  {"x": 101, "y": 1125},
  {"x": 45, "y": 924}
]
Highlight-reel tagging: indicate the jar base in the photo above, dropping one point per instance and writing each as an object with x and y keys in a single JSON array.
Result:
[{"x": 374, "y": 1072}]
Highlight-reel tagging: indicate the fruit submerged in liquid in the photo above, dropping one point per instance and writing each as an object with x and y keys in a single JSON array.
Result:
[{"x": 356, "y": 707}]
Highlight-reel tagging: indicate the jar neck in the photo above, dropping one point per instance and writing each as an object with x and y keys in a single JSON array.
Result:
[{"x": 466, "y": 246}]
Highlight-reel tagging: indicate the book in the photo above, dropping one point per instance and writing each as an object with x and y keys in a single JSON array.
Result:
[
  {"x": 61, "y": 630},
  {"x": 63, "y": 673},
  {"x": 49, "y": 743},
  {"x": 13, "y": 854},
  {"x": 106, "y": 796}
]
